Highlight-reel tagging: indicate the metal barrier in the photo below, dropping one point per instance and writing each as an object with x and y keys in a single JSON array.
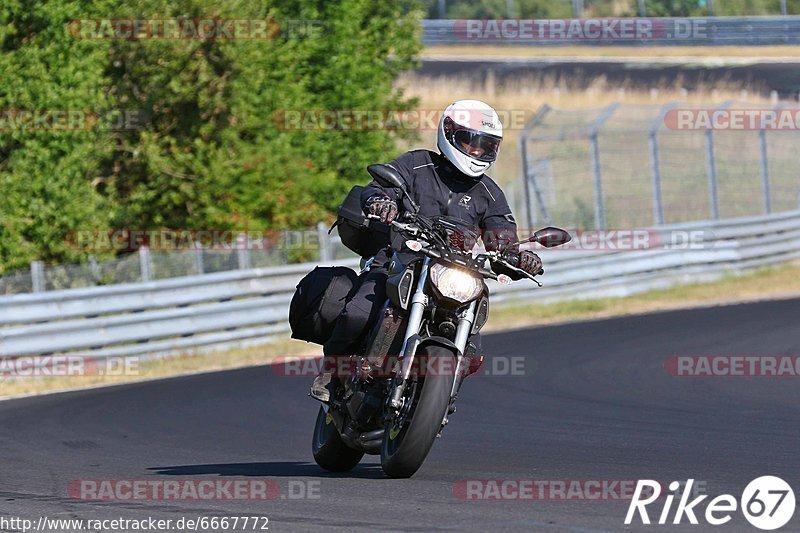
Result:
[
  {"x": 673, "y": 31},
  {"x": 248, "y": 306},
  {"x": 146, "y": 265}
]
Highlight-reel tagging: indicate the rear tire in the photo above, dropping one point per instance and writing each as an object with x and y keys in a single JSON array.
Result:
[
  {"x": 406, "y": 442},
  {"x": 330, "y": 452}
]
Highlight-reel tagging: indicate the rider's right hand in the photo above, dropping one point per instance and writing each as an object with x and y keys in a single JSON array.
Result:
[{"x": 383, "y": 207}]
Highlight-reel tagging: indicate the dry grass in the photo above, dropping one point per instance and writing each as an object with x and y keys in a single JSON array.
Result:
[
  {"x": 177, "y": 365},
  {"x": 768, "y": 283}
]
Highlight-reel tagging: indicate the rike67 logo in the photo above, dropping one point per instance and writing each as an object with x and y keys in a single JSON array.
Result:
[{"x": 767, "y": 503}]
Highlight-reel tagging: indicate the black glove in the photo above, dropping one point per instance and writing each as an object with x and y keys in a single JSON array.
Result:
[
  {"x": 527, "y": 261},
  {"x": 383, "y": 207}
]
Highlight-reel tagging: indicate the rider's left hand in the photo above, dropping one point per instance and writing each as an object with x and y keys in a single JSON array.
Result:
[{"x": 530, "y": 263}]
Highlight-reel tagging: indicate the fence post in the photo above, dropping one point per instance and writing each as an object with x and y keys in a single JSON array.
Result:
[
  {"x": 242, "y": 251},
  {"x": 94, "y": 266},
  {"x": 324, "y": 243},
  {"x": 713, "y": 192},
  {"x": 594, "y": 130},
  {"x": 599, "y": 207},
  {"x": 713, "y": 197},
  {"x": 528, "y": 178},
  {"x": 285, "y": 245},
  {"x": 145, "y": 264},
  {"x": 642, "y": 9},
  {"x": 528, "y": 181},
  {"x": 762, "y": 145},
  {"x": 655, "y": 170},
  {"x": 37, "y": 276},
  {"x": 198, "y": 259},
  {"x": 655, "y": 164}
]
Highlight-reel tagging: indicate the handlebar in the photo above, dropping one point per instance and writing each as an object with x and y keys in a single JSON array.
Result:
[{"x": 493, "y": 257}]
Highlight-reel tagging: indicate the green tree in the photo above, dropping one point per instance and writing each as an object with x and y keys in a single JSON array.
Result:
[
  {"x": 210, "y": 154},
  {"x": 47, "y": 177}
]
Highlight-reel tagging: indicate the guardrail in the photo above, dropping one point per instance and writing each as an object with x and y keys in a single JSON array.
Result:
[
  {"x": 687, "y": 31},
  {"x": 251, "y": 306}
]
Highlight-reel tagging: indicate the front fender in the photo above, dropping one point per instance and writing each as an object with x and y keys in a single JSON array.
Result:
[
  {"x": 415, "y": 342},
  {"x": 438, "y": 341}
]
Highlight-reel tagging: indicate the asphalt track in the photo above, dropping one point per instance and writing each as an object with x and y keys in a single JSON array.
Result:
[
  {"x": 763, "y": 74},
  {"x": 595, "y": 403}
]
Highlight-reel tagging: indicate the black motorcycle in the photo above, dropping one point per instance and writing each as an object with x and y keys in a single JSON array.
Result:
[{"x": 396, "y": 399}]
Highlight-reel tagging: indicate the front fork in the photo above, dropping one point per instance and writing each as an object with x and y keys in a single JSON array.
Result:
[
  {"x": 411, "y": 339},
  {"x": 465, "y": 320}
]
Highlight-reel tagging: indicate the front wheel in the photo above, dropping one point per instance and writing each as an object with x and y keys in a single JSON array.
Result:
[
  {"x": 409, "y": 436},
  {"x": 330, "y": 452}
]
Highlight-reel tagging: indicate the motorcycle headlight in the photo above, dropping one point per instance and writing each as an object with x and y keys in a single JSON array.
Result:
[{"x": 456, "y": 284}]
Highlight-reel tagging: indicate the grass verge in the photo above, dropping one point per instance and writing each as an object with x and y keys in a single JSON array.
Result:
[
  {"x": 777, "y": 282},
  {"x": 766, "y": 283},
  {"x": 193, "y": 362}
]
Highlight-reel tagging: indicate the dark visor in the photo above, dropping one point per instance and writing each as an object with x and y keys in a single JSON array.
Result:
[{"x": 478, "y": 145}]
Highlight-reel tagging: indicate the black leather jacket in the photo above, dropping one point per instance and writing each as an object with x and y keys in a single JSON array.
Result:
[{"x": 438, "y": 188}]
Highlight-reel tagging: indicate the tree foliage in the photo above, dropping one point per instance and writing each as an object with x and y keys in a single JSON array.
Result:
[{"x": 209, "y": 153}]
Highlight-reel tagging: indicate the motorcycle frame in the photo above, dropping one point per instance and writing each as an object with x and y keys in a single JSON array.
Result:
[{"x": 412, "y": 340}]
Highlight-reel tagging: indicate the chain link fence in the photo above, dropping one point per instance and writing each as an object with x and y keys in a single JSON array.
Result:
[
  {"x": 145, "y": 264},
  {"x": 626, "y": 166}
]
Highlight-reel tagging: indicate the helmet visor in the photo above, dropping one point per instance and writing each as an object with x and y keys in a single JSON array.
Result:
[{"x": 478, "y": 145}]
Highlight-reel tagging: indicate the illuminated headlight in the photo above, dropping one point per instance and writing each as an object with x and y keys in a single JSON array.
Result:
[{"x": 455, "y": 284}]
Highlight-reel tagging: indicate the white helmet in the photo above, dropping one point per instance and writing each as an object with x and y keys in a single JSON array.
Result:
[{"x": 469, "y": 136}]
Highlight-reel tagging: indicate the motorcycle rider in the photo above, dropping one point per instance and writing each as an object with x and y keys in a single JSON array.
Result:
[{"x": 452, "y": 182}]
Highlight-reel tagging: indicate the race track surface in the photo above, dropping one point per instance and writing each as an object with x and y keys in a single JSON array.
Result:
[{"x": 594, "y": 403}]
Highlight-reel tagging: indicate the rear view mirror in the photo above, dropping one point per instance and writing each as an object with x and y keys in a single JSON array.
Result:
[
  {"x": 386, "y": 176},
  {"x": 550, "y": 237}
]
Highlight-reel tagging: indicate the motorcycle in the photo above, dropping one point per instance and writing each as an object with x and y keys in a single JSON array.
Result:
[{"x": 397, "y": 398}]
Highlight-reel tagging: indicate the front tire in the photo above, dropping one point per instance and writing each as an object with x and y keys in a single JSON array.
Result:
[
  {"x": 330, "y": 452},
  {"x": 408, "y": 438}
]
